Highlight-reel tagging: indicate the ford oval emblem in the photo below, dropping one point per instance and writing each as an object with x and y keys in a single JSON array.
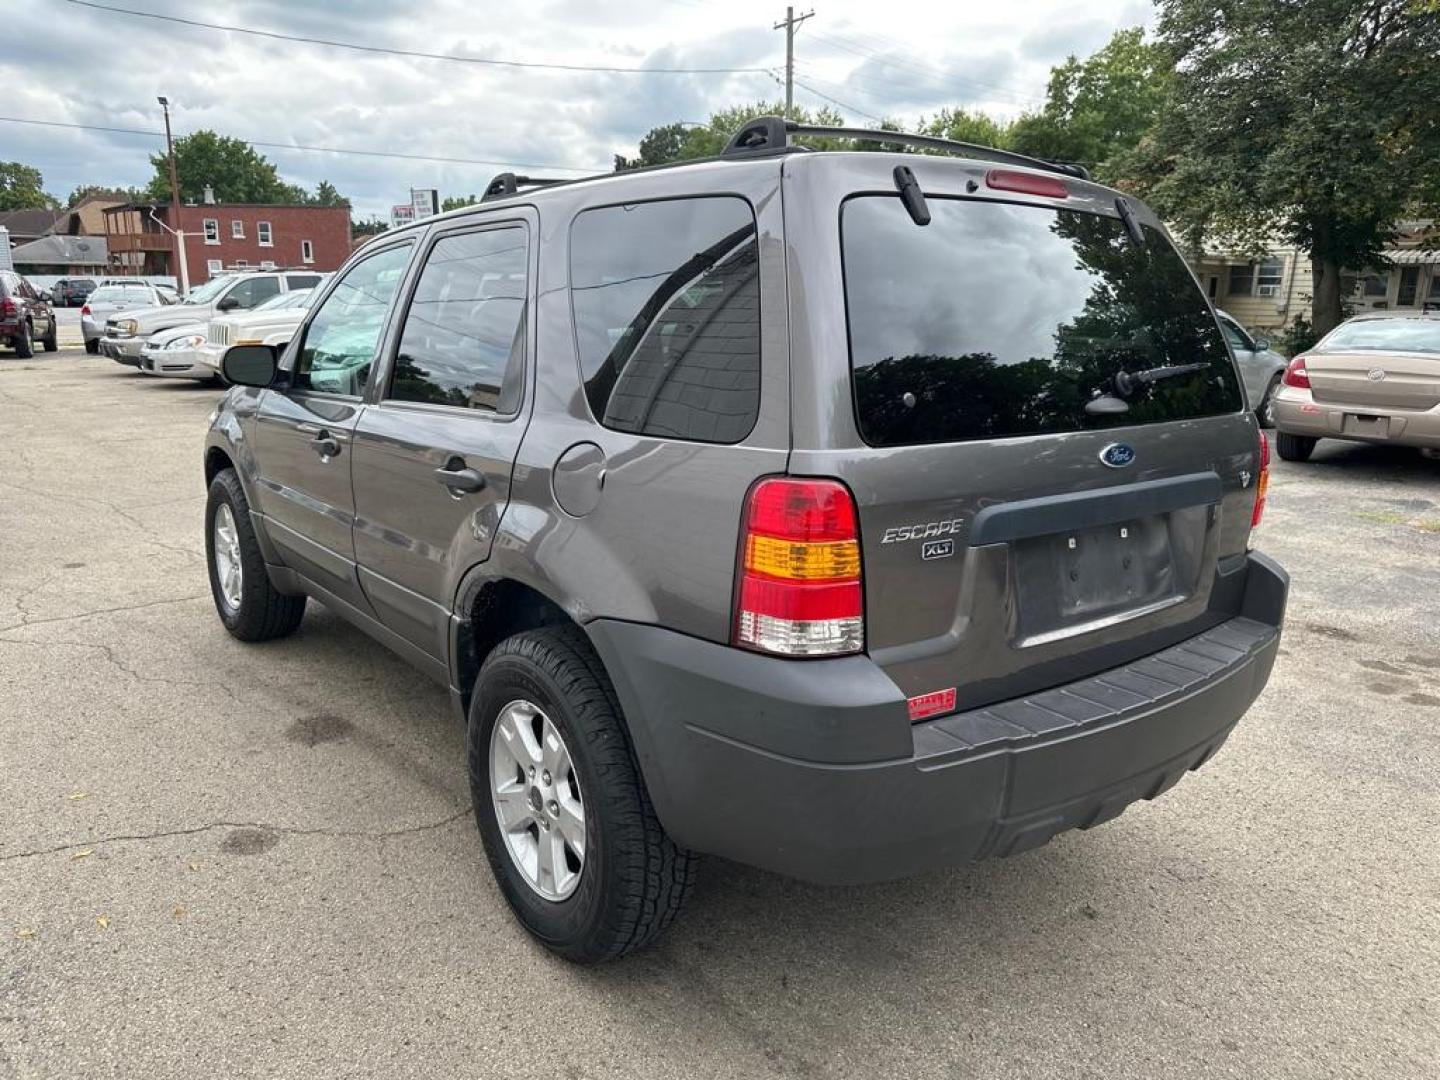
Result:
[{"x": 1118, "y": 454}]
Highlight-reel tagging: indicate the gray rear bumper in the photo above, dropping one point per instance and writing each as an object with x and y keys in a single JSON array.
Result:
[{"x": 812, "y": 768}]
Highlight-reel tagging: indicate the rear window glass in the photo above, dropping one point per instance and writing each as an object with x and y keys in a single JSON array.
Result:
[
  {"x": 667, "y": 316},
  {"x": 998, "y": 320},
  {"x": 119, "y": 292},
  {"x": 1396, "y": 335}
]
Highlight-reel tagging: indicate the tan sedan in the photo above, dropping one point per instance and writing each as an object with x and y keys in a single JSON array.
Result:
[{"x": 1374, "y": 378}]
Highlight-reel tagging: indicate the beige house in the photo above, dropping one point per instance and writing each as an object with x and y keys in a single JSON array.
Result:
[{"x": 1270, "y": 292}]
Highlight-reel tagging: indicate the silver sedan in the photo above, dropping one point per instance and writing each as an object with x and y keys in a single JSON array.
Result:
[
  {"x": 1260, "y": 368},
  {"x": 105, "y": 301}
]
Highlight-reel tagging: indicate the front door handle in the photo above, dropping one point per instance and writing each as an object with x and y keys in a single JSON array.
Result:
[
  {"x": 461, "y": 479},
  {"x": 325, "y": 444}
]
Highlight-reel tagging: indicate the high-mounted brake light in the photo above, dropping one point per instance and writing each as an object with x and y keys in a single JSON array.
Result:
[
  {"x": 1262, "y": 483},
  {"x": 1027, "y": 183},
  {"x": 1296, "y": 375},
  {"x": 800, "y": 591}
]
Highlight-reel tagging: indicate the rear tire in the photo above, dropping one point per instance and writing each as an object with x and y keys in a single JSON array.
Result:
[
  {"x": 632, "y": 878},
  {"x": 1266, "y": 412},
  {"x": 1294, "y": 447},
  {"x": 24, "y": 347},
  {"x": 250, "y": 606}
]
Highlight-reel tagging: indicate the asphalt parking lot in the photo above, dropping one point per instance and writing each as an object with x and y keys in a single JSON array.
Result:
[{"x": 231, "y": 861}]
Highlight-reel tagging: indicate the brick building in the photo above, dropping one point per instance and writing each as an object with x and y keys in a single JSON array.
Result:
[{"x": 224, "y": 236}]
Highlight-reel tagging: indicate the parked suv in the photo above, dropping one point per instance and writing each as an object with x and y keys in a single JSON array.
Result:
[
  {"x": 126, "y": 335},
  {"x": 896, "y": 522},
  {"x": 25, "y": 316},
  {"x": 71, "y": 292}
]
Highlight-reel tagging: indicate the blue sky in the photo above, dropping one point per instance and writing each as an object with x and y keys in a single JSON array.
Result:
[{"x": 71, "y": 64}]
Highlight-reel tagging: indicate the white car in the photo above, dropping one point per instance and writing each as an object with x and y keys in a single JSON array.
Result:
[
  {"x": 174, "y": 353},
  {"x": 272, "y": 323}
]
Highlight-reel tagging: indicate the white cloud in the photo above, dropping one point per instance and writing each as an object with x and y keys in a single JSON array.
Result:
[{"x": 78, "y": 65}]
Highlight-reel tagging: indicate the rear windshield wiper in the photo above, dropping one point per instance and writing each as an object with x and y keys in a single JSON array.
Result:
[{"x": 1126, "y": 383}]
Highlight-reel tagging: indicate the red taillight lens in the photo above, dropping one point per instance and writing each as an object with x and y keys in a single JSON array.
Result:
[
  {"x": 1006, "y": 180},
  {"x": 1296, "y": 375},
  {"x": 85, "y": 309},
  {"x": 8, "y": 306},
  {"x": 800, "y": 588},
  {"x": 1262, "y": 484}
]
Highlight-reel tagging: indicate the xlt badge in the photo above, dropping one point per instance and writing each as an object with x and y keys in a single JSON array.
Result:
[{"x": 937, "y": 549}]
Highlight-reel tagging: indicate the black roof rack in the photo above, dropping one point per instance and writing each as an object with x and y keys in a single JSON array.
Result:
[
  {"x": 772, "y": 134},
  {"x": 507, "y": 183}
]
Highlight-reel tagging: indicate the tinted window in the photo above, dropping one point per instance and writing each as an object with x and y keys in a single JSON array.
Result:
[
  {"x": 302, "y": 281},
  {"x": 998, "y": 320},
  {"x": 1397, "y": 335},
  {"x": 252, "y": 291},
  {"x": 667, "y": 316},
  {"x": 1238, "y": 341},
  {"x": 344, "y": 331},
  {"x": 464, "y": 343}
]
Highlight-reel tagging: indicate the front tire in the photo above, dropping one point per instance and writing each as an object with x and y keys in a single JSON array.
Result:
[
  {"x": 554, "y": 783},
  {"x": 249, "y": 605},
  {"x": 51, "y": 341},
  {"x": 1294, "y": 447},
  {"x": 92, "y": 346},
  {"x": 1266, "y": 412}
]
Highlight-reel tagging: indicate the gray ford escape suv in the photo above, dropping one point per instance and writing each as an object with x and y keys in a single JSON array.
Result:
[{"x": 844, "y": 514}]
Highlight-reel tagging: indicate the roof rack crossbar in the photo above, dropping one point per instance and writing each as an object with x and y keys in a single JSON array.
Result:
[
  {"x": 771, "y": 133},
  {"x": 506, "y": 184}
]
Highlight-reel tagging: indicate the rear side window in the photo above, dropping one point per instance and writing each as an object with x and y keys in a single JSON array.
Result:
[
  {"x": 667, "y": 316},
  {"x": 255, "y": 290},
  {"x": 463, "y": 343},
  {"x": 302, "y": 281},
  {"x": 998, "y": 320}
]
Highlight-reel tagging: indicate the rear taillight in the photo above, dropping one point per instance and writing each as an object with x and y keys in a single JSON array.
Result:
[
  {"x": 1262, "y": 484},
  {"x": 85, "y": 309},
  {"x": 1296, "y": 375},
  {"x": 8, "y": 306},
  {"x": 800, "y": 591}
]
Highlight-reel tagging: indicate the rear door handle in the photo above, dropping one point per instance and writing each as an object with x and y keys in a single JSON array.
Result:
[{"x": 461, "y": 479}]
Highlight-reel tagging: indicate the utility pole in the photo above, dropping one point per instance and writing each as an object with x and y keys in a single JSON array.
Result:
[
  {"x": 791, "y": 22},
  {"x": 176, "y": 232}
]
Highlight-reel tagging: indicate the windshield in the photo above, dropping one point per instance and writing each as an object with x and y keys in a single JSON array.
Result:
[
  {"x": 1384, "y": 335},
  {"x": 119, "y": 292},
  {"x": 998, "y": 320},
  {"x": 207, "y": 292}
]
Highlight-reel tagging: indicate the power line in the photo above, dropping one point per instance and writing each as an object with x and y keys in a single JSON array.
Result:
[
  {"x": 924, "y": 70},
  {"x": 316, "y": 149},
  {"x": 838, "y": 102},
  {"x": 275, "y": 36}
]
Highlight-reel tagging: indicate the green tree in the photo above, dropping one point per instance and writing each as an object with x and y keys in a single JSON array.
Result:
[
  {"x": 455, "y": 202},
  {"x": 371, "y": 226},
  {"x": 659, "y": 146},
  {"x": 326, "y": 195},
  {"x": 231, "y": 167},
  {"x": 965, "y": 126},
  {"x": 84, "y": 191},
  {"x": 23, "y": 188},
  {"x": 1097, "y": 109},
  {"x": 1314, "y": 123}
]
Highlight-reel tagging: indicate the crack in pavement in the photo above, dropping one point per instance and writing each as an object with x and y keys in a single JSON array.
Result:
[
  {"x": 101, "y": 611},
  {"x": 126, "y": 668},
  {"x": 288, "y": 830}
]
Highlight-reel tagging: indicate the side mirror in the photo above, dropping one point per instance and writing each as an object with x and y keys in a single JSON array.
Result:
[
  {"x": 1261, "y": 344},
  {"x": 46, "y": 295},
  {"x": 228, "y": 304},
  {"x": 250, "y": 365}
]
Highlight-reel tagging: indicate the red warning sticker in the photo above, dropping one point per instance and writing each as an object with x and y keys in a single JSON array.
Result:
[{"x": 932, "y": 704}]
